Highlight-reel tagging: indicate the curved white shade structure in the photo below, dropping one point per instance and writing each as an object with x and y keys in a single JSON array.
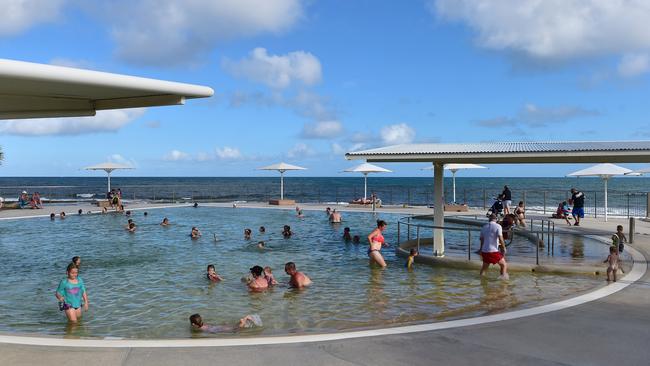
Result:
[
  {"x": 365, "y": 169},
  {"x": 604, "y": 171},
  {"x": 31, "y": 90},
  {"x": 108, "y": 167},
  {"x": 453, "y": 168},
  {"x": 282, "y": 167}
]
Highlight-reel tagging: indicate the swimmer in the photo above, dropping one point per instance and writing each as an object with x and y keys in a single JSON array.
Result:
[
  {"x": 214, "y": 236},
  {"x": 80, "y": 212},
  {"x": 212, "y": 274},
  {"x": 165, "y": 222},
  {"x": 259, "y": 283},
  {"x": 411, "y": 259},
  {"x": 76, "y": 260},
  {"x": 335, "y": 217},
  {"x": 248, "y": 233},
  {"x": 268, "y": 274},
  {"x": 262, "y": 230},
  {"x": 262, "y": 246},
  {"x": 128, "y": 224},
  {"x": 128, "y": 213},
  {"x": 52, "y": 216},
  {"x": 300, "y": 215},
  {"x": 286, "y": 231},
  {"x": 195, "y": 234},
  {"x": 62, "y": 215},
  {"x": 89, "y": 212},
  {"x": 71, "y": 294},
  {"x": 146, "y": 214},
  {"x": 356, "y": 239},
  {"x": 249, "y": 321},
  {"x": 131, "y": 227},
  {"x": 298, "y": 279},
  {"x": 346, "y": 234},
  {"x": 328, "y": 211},
  {"x": 376, "y": 241}
]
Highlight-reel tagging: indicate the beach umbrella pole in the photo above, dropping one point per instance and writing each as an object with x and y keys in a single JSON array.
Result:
[
  {"x": 365, "y": 186},
  {"x": 453, "y": 184},
  {"x": 109, "y": 180},
  {"x": 281, "y": 184}
]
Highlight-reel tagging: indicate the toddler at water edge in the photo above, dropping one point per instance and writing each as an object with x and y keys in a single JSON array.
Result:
[
  {"x": 613, "y": 263},
  {"x": 619, "y": 239},
  {"x": 411, "y": 259},
  {"x": 212, "y": 274},
  {"x": 249, "y": 321}
]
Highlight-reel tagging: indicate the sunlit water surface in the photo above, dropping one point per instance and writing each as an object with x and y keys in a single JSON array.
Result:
[{"x": 146, "y": 284}]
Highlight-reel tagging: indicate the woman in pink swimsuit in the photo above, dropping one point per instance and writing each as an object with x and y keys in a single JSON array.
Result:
[{"x": 376, "y": 240}]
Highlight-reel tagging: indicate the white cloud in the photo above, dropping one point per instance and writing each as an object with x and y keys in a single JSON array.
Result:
[
  {"x": 300, "y": 150},
  {"x": 303, "y": 103},
  {"x": 228, "y": 153},
  {"x": 322, "y": 130},
  {"x": 533, "y": 116},
  {"x": 176, "y": 155},
  {"x": 554, "y": 30},
  {"x": 397, "y": 134},
  {"x": 104, "y": 121},
  {"x": 117, "y": 158},
  {"x": 632, "y": 65},
  {"x": 20, "y": 15},
  {"x": 168, "y": 32},
  {"x": 276, "y": 71}
]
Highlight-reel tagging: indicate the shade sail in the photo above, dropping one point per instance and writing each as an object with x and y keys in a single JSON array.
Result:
[
  {"x": 282, "y": 167},
  {"x": 31, "y": 90},
  {"x": 108, "y": 167},
  {"x": 365, "y": 169},
  {"x": 604, "y": 171}
]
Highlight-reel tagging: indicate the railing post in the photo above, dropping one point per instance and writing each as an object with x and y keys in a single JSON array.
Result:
[
  {"x": 548, "y": 235},
  {"x": 544, "y": 202},
  {"x": 647, "y": 204},
  {"x": 398, "y": 232},
  {"x": 595, "y": 205},
  {"x": 469, "y": 244},
  {"x": 632, "y": 229},
  {"x": 628, "y": 205},
  {"x": 418, "y": 234},
  {"x": 553, "y": 241},
  {"x": 537, "y": 249},
  {"x": 408, "y": 228}
]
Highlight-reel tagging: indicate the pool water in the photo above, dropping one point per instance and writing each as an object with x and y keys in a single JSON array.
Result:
[{"x": 146, "y": 284}]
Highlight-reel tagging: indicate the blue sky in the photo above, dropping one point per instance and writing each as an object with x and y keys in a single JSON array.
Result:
[{"x": 306, "y": 81}]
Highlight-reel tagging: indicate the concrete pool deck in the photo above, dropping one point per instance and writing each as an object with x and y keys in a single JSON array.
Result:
[{"x": 609, "y": 330}]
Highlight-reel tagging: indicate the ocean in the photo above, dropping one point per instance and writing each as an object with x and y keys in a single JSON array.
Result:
[{"x": 627, "y": 195}]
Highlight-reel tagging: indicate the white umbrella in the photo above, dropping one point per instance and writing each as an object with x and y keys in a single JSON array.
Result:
[
  {"x": 282, "y": 167},
  {"x": 453, "y": 168},
  {"x": 108, "y": 168},
  {"x": 604, "y": 171},
  {"x": 365, "y": 169}
]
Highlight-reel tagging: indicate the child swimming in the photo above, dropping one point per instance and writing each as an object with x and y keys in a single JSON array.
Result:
[
  {"x": 268, "y": 274},
  {"x": 76, "y": 260},
  {"x": 411, "y": 259},
  {"x": 346, "y": 234},
  {"x": 249, "y": 321},
  {"x": 286, "y": 231},
  {"x": 195, "y": 233},
  {"x": 212, "y": 274},
  {"x": 248, "y": 233}
]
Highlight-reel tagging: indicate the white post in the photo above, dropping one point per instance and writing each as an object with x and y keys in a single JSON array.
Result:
[
  {"x": 453, "y": 183},
  {"x": 605, "y": 199},
  {"x": 109, "y": 180},
  {"x": 439, "y": 209},
  {"x": 281, "y": 184},
  {"x": 365, "y": 186}
]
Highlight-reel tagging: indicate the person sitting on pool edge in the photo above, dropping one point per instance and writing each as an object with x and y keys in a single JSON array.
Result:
[
  {"x": 249, "y": 321},
  {"x": 195, "y": 234},
  {"x": 259, "y": 282},
  {"x": 298, "y": 279}
]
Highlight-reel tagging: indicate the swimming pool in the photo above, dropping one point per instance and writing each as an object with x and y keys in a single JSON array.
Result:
[{"x": 146, "y": 284}]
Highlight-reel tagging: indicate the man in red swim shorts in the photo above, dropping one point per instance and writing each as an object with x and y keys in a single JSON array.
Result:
[{"x": 493, "y": 247}]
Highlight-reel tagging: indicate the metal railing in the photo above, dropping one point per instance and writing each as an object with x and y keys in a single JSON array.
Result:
[{"x": 545, "y": 229}]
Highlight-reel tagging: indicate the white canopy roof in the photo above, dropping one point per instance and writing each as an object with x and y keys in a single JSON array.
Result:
[
  {"x": 282, "y": 167},
  {"x": 108, "y": 167},
  {"x": 456, "y": 167},
  {"x": 31, "y": 90},
  {"x": 605, "y": 170},
  {"x": 366, "y": 168}
]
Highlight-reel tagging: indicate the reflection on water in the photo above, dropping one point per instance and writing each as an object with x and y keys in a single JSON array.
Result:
[{"x": 145, "y": 285}]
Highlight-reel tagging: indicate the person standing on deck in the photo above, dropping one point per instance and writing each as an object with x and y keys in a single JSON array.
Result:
[{"x": 578, "y": 201}]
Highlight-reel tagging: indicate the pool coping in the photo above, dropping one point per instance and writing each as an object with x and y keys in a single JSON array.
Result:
[{"x": 639, "y": 269}]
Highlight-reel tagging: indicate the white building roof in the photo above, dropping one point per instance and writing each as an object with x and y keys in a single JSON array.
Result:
[
  {"x": 30, "y": 90},
  {"x": 512, "y": 152}
]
